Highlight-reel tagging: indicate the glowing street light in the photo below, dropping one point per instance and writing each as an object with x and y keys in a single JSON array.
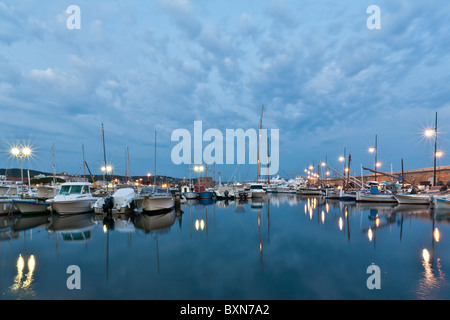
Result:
[
  {"x": 375, "y": 150},
  {"x": 430, "y": 132},
  {"x": 21, "y": 152}
]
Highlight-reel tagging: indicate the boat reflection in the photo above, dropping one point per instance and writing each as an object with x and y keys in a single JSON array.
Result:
[
  {"x": 149, "y": 223},
  {"x": 73, "y": 227},
  {"x": 30, "y": 222}
]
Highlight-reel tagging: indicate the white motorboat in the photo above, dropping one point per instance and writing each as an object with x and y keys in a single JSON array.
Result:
[
  {"x": 154, "y": 199},
  {"x": 256, "y": 190},
  {"x": 73, "y": 197},
  {"x": 408, "y": 198},
  {"x": 121, "y": 201}
]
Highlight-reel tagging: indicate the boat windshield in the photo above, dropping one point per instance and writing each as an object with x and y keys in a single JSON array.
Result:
[
  {"x": 256, "y": 186},
  {"x": 75, "y": 189},
  {"x": 154, "y": 190}
]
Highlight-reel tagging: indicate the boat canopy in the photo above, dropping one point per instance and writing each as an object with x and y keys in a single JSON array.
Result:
[{"x": 154, "y": 190}]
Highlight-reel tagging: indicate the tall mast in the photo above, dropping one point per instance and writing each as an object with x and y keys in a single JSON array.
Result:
[
  {"x": 259, "y": 142},
  {"x": 268, "y": 160},
  {"x": 126, "y": 166},
  {"x": 84, "y": 162},
  {"x": 154, "y": 177},
  {"x": 53, "y": 159},
  {"x": 129, "y": 164},
  {"x": 104, "y": 153}
]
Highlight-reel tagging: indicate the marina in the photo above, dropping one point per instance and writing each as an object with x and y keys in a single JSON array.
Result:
[
  {"x": 224, "y": 151},
  {"x": 282, "y": 247}
]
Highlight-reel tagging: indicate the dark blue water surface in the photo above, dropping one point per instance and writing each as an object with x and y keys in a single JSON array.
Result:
[{"x": 286, "y": 247}]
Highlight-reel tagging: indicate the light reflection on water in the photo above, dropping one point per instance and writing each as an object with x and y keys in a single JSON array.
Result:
[{"x": 282, "y": 247}]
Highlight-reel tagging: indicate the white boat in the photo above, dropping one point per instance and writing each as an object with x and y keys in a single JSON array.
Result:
[
  {"x": 38, "y": 204},
  {"x": 309, "y": 191},
  {"x": 73, "y": 197},
  {"x": 332, "y": 193},
  {"x": 154, "y": 199},
  {"x": 284, "y": 188},
  {"x": 408, "y": 198},
  {"x": 377, "y": 197},
  {"x": 256, "y": 190},
  {"x": 441, "y": 202},
  {"x": 121, "y": 201}
]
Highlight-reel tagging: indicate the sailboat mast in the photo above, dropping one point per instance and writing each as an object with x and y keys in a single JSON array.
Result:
[
  {"x": 84, "y": 162},
  {"x": 154, "y": 177},
  {"x": 53, "y": 160},
  {"x": 104, "y": 153},
  {"x": 126, "y": 167},
  {"x": 259, "y": 142},
  {"x": 268, "y": 160},
  {"x": 129, "y": 164}
]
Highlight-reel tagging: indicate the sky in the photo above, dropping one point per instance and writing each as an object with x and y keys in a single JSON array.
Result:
[{"x": 327, "y": 82}]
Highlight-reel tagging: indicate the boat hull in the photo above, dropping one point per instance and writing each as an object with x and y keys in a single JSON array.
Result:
[
  {"x": 73, "y": 206},
  {"x": 257, "y": 194},
  {"x": 155, "y": 203},
  {"x": 441, "y": 203},
  {"x": 190, "y": 195},
  {"x": 412, "y": 199},
  {"x": 375, "y": 197},
  {"x": 205, "y": 195},
  {"x": 31, "y": 207}
]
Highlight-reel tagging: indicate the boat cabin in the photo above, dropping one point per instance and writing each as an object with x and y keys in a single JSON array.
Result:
[{"x": 74, "y": 188}]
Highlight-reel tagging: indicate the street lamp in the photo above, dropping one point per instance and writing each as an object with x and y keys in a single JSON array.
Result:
[
  {"x": 375, "y": 150},
  {"x": 21, "y": 152},
  {"x": 429, "y": 133}
]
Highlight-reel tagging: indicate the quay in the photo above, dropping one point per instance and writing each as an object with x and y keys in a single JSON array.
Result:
[{"x": 423, "y": 176}]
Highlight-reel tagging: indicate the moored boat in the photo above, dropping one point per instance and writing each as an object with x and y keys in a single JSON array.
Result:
[
  {"x": 121, "y": 201},
  {"x": 378, "y": 197},
  {"x": 154, "y": 199},
  {"x": 256, "y": 190},
  {"x": 408, "y": 198},
  {"x": 73, "y": 197}
]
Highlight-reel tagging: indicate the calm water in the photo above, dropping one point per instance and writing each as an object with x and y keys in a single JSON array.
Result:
[{"x": 287, "y": 247}]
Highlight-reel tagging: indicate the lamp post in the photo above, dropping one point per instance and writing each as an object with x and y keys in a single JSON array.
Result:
[
  {"x": 375, "y": 150},
  {"x": 106, "y": 170},
  {"x": 429, "y": 133},
  {"x": 21, "y": 152}
]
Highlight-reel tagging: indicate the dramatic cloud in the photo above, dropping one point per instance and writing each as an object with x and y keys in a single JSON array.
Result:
[{"x": 325, "y": 80}]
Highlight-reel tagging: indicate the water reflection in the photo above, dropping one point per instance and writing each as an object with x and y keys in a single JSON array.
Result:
[
  {"x": 277, "y": 238},
  {"x": 73, "y": 227},
  {"x": 21, "y": 286}
]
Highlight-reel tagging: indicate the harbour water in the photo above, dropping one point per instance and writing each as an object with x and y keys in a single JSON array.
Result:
[{"x": 285, "y": 247}]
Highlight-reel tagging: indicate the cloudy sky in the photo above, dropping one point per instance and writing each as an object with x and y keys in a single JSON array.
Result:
[{"x": 326, "y": 80}]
